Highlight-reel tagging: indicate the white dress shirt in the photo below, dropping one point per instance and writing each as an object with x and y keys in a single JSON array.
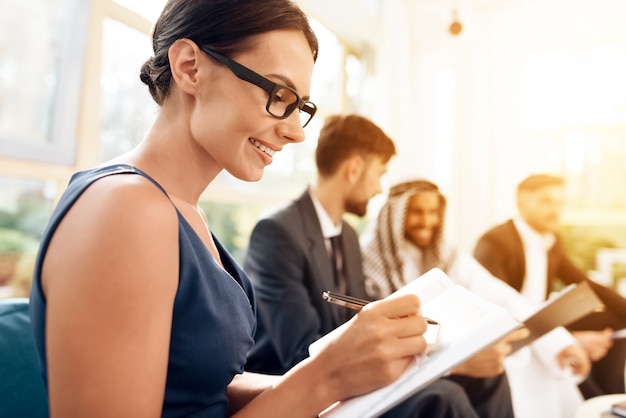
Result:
[
  {"x": 329, "y": 229},
  {"x": 536, "y": 247}
]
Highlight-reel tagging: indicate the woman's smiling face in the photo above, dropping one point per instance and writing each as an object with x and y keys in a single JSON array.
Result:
[{"x": 230, "y": 121}]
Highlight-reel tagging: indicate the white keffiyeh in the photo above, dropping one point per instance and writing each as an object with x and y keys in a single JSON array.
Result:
[{"x": 385, "y": 248}]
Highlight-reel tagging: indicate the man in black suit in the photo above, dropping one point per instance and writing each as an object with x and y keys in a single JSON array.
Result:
[
  {"x": 527, "y": 253},
  {"x": 289, "y": 255},
  {"x": 289, "y": 261}
]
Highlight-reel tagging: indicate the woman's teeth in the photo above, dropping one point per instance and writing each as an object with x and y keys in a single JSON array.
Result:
[{"x": 262, "y": 147}]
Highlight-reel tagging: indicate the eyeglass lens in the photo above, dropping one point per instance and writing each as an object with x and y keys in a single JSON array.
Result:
[{"x": 283, "y": 102}]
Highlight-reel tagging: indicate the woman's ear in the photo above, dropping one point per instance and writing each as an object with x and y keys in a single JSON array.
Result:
[{"x": 184, "y": 64}]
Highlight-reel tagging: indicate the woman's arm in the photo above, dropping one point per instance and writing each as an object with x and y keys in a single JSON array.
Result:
[
  {"x": 247, "y": 386},
  {"x": 110, "y": 277}
]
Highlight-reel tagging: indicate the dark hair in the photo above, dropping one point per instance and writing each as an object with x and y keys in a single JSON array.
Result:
[
  {"x": 345, "y": 135},
  {"x": 222, "y": 25},
  {"x": 538, "y": 181}
]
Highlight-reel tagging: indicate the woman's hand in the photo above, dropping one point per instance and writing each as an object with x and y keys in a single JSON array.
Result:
[
  {"x": 376, "y": 346},
  {"x": 367, "y": 352}
]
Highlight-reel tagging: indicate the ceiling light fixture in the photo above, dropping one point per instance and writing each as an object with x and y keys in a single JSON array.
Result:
[{"x": 455, "y": 27}]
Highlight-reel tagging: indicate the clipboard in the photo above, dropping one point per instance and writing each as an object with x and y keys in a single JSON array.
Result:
[
  {"x": 468, "y": 324},
  {"x": 569, "y": 305}
]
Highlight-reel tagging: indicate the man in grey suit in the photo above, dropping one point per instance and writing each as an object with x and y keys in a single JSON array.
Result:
[{"x": 290, "y": 263}]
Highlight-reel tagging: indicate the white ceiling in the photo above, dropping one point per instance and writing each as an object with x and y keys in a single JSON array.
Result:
[
  {"x": 359, "y": 22},
  {"x": 356, "y": 22}
]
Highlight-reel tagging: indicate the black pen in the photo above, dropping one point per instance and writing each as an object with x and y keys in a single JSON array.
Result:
[{"x": 354, "y": 303}]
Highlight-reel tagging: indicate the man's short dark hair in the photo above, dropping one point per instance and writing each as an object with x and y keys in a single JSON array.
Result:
[
  {"x": 345, "y": 135},
  {"x": 538, "y": 181}
]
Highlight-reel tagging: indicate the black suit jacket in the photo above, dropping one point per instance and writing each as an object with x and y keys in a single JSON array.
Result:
[
  {"x": 289, "y": 266},
  {"x": 501, "y": 251}
]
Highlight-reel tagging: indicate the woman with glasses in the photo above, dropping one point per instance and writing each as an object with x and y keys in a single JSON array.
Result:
[{"x": 137, "y": 309}]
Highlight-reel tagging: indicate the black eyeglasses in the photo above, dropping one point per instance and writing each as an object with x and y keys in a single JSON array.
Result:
[{"x": 282, "y": 100}]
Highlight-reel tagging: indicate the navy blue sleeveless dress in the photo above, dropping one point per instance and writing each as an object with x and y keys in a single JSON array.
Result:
[{"x": 213, "y": 314}]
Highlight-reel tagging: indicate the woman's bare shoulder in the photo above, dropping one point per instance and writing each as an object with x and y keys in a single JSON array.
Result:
[
  {"x": 127, "y": 197},
  {"x": 120, "y": 226}
]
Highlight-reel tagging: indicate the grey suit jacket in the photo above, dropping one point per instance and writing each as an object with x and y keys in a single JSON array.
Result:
[{"x": 289, "y": 266}]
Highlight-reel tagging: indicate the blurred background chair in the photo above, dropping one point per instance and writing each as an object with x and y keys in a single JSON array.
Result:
[{"x": 22, "y": 390}]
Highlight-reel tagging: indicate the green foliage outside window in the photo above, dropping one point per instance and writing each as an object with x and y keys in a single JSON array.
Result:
[
  {"x": 583, "y": 242},
  {"x": 232, "y": 224}
]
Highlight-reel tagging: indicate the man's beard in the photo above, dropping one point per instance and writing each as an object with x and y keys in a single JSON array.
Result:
[
  {"x": 412, "y": 235},
  {"x": 356, "y": 208}
]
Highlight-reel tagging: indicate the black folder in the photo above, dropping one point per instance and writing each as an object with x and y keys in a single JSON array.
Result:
[{"x": 569, "y": 305}]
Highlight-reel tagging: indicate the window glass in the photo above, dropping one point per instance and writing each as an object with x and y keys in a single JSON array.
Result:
[
  {"x": 39, "y": 58},
  {"x": 327, "y": 85},
  {"x": 127, "y": 108},
  {"x": 27, "y": 68},
  {"x": 232, "y": 224},
  {"x": 574, "y": 110},
  {"x": 573, "y": 113},
  {"x": 356, "y": 73},
  {"x": 25, "y": 207},
  {"x": 599, "y": 250}
]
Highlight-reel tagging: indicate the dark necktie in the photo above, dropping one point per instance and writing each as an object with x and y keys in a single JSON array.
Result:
[{"x": 336, "y": 258}]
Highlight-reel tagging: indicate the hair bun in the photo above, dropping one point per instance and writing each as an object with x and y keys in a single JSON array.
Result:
[
  {"x": 148, "y": 77},
  {"x": 146, "y": 72}
]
